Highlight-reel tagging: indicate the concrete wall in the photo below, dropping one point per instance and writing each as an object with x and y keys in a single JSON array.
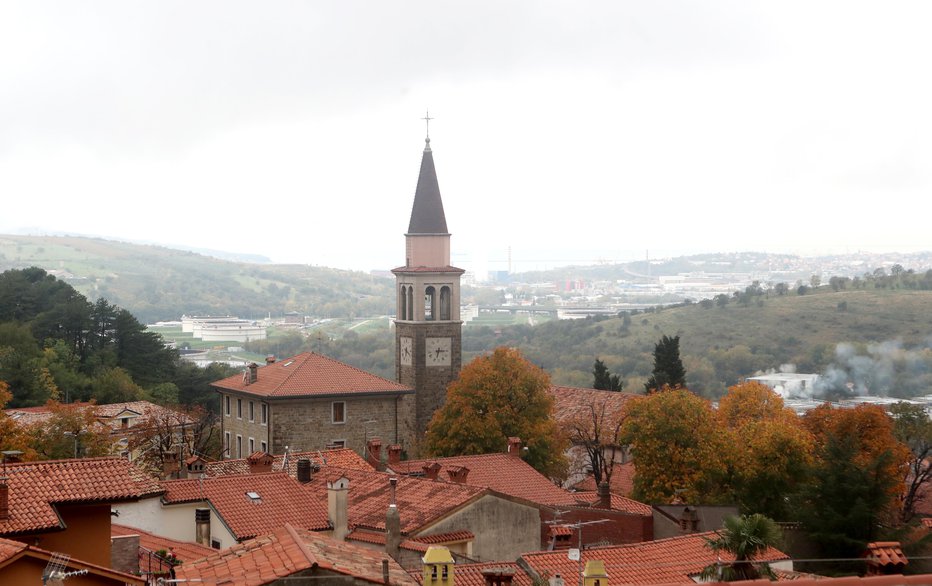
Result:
[{"x": 504, "y": 529}]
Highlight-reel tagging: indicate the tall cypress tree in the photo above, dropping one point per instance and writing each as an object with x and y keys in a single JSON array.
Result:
[
  {"x": 603, "y": 379},
  {"x": 668, "y": 368}
]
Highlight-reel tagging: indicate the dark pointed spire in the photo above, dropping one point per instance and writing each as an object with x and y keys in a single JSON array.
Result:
[{"x": 427, "y": 215}]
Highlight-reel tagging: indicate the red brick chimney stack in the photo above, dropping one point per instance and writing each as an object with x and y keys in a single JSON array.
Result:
[
  {"x": 374, "y": 453},
  {"x": 605, "y": 496},
  {"x": 259, "y": 462},
  {"x": 431, "y": 470},
  {"x": 458, "y": 474},
  {"x": 394, "y": 454},
  {"x": 270, "y": 359},
  {"x": 4, "y": 500},
  {"x": 514, "y": 446}
]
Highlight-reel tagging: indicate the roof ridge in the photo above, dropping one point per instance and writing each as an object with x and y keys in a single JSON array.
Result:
[{"x": 302, "y": 545}]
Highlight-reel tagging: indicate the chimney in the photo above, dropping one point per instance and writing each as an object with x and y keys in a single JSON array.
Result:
[
  {"x": 884, "y": 558},
  {"x": 4, "y": 500},
  {"x": 385, "y": 574},
  {"x": 392, "y": 524},
  {"x": 270, "y": 359},
  {"x": 374, "y": 453},
  {"x": 689, "y": 520},
  {"x": 252, "y": 373},
  {"x": 337, "y": 489},
  {"x": 556, "y": 580},
  {"x": 498, "y": 576},
  {"x": 431, "y": 470},
  {"x": 394, "y": 454},
  {"x": 202, "y": 526},
  {"x": 514, "y": 447},
  {"x": 171, "y": 464},
  {"x": 458, "y": 474},
  {"x": 306, "y": 470},
  {"x": 259, "y": 462},
  {"x": 605, "y": 496}
]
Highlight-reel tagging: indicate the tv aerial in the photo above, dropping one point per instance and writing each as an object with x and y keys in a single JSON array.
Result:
[{"x": 57, "y": 571}]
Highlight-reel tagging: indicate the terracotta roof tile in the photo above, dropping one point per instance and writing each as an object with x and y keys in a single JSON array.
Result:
[
  {"x": 451, "y": 537},
  {"x": 288, "y": 550},
  {"x": 621, "y": 482},
  {"x": 310, "y": 374},
  {"x": 378, "y": 538},
  {"x": 662, "y": 561},
  {"x": 474, "y": 574},
  {"x": 337, "y": 457},
  {"x": 888, "y": 580},
  {"x": 142, "y": 411},
  {"x": 35, "y": 487},
  {"x": 419, "y": 501},
  {"x": 501, "y": 472},
  {"x": 9, "y": 550},
  {"x": 619, "y": 503},
  {"x": 574, "y": 402},
  {"x": 281, "y": 500},
  {"x": 885, "y": 553}
]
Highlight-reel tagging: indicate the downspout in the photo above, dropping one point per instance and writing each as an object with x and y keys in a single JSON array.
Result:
[{"x": 396, "y": 418}]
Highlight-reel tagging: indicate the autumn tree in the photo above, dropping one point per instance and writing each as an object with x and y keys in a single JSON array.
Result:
[
  {"x": 668, "y": 368},
  {"x": 596, "y": 426},
  {"x": 175, "y": 433},
  {"x": 72, "y": 431},
  {"x": 13, "y": 436},
  {"x": 676, "y": 445},
  {"x": 498, "y": 396},
  {"x": 769, "y": 450},
  {"x": 603, "y": 380},
  {"x": 913, "y": 428},
  {"x": 855, "y": 482}
]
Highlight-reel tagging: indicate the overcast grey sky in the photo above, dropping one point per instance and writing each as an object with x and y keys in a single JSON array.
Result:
[{"x": 575, "y": 131}]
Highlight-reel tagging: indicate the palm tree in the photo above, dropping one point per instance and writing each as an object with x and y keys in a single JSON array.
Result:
[{"x": 745, "y": 537}]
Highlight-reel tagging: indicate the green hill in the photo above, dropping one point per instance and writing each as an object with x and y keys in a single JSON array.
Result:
[{"x": 158, "y": 283}]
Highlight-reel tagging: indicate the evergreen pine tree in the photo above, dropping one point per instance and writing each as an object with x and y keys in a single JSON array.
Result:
[
  {"x": 668, "y": 368},
  {"x": 604, "y": 380}
]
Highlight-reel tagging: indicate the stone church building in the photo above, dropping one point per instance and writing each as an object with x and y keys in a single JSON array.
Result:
[{"x": 310, "y": 401}]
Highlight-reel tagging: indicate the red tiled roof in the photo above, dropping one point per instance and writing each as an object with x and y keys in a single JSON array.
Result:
[
  {"x": 472, "y": 574},
  {"x": 185, "y": 551},
  {"x": 11, "y": 550},
  {"x": 286, "y": 551},
  {"x": 884, "y": 553},
  {"x": 144, "y": 409},
  {"x": 309, "y": 374},
  {"x": 619, "y": 503},
  {"x": 446, "y": 269},
  {"x": 621, "y": 482},
  {"x": 888, "y": 580},
  {"x": 501, "y": 472},
  {"x": 571, "y": 403},
  {"x": 35, "y": 487},
  {"x": 378, "y": 538},
  {"x": 450, "y": 537},
  {"x": 337, "y": 457},
  {"x": 281, "y": 500},
  {"x": 420, "y": 502},
  {"x": 662, "y": 561}
]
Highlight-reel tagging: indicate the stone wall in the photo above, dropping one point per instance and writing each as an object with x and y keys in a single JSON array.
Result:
[
  {"x": 429, "y": 382},
  {"x": 242, "y": 426},
  {"x": 124, "y": 553},
  {"x": 306, "y": 424}
]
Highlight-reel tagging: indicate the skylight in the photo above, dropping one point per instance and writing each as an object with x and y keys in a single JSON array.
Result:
[{"x": 254, "y": 496}]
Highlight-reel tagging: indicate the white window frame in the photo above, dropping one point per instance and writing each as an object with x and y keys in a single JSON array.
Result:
[
  {"x": 333, "y": 406},
  {"x": 265, "y": 447},
  {"x": 339, "y": 443}
]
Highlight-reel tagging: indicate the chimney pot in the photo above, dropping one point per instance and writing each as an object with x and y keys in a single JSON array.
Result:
[
  {"x": 394, "y": 454},
  {"x": 374, "y": 453},
  {"x": 605, "y": 495},
  {"x": 305, "y": 471},
  {"x": 4, "y": 499},
  {"x": 431, "y": 470},
  {"x": 270, "y": 359},
  {"x": 458, "y": 474},
  {"x": 252, "y": 374},
  {"x": 514, "y": 446}
]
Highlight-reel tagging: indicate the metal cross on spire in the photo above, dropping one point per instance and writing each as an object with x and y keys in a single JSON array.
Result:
[{"x": 427, "y": 120}]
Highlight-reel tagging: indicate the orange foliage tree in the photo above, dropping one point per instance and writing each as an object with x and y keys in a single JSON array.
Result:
[
  {"x": 769, "y": 451},
  {"x": 498, "y": 396},
  {"x": 677, "y": 447},
  {"x": 12, "y": 435},
  {"x": 72, "y": 430}
]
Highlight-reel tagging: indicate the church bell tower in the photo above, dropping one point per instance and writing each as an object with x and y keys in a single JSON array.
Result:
[{"x": 428, "y": 330}]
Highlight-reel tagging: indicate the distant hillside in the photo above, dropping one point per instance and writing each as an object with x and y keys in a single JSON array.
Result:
[
  {"x": 156, "y": 283},
  {"x": 884, "y": 336}
]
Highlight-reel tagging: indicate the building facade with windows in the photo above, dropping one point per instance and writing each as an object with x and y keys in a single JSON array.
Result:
[{"x": 311, "y": 402}]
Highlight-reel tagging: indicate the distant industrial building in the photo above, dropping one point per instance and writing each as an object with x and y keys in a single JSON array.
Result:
[{"x": 223, "y": 329}]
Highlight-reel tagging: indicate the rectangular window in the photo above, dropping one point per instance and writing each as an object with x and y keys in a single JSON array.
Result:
[
  {"x": 252, "y": 445},
  {"x": 252, "y": 411},
  {"x": 215, "y": 543},
  {"x": 239, "y": 446},
  {"x": 265, "y": 414},
  {"x": 227, "y": 445},
  {"x": 265, "y": 446},
  {"x": 227, "y": 401},
  {"x": 338, "y": 412},
  {"x": 239, "y": 408},
  {"x": 337, "y": 444}
]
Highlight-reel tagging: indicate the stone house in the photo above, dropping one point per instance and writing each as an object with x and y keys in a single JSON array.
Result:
[{"x": 310, "y": 402}]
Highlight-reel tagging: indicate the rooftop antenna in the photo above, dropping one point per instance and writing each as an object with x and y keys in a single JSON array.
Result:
[{"x": 57, "y": 569}]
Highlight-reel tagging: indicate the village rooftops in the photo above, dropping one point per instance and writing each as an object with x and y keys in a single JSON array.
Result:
[
  {"x": 504, "y": 473},
  {"x": 111, "y": 414},
  {"x": 309, "y": 375},
  {"x": 575, "y": 403},
  {"x": 253, "y": 504},
  {"x": 184, "y": 550},
  {"x": 664, "y": 561},
  {"x": 336, "y": 457},
  {"x": 12, "y": 552},
  {"x": 288, "y": 551},
  {"x": 36, "y": 488}
]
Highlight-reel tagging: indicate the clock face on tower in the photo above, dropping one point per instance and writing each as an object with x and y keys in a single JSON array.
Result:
[
  {"x": 406, "y": 351},
  {"x": 438, "y": 352}
]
